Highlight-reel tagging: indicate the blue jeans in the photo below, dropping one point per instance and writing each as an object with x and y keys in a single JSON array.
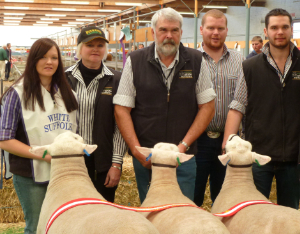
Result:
[
  {"x": 31, "y": 196},
  {"x": 208, "y": 163},
  {"x": 186, "y": 174},
  {"x": 287, "y": 181}
]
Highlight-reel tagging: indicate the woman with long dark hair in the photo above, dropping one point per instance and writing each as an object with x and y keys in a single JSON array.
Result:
[{"x": 36, "y": 108}]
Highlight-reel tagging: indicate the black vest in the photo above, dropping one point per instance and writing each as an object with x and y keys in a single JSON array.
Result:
[
  {"x": 273, "y": 113},
  {"x": 154, "y": 118},
  {"x": 104, "y": 122}
]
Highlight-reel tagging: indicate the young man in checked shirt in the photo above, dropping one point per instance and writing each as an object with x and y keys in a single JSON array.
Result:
[
  {"x": 224, "y": 66},
  {"x": 268, "y": 93}
]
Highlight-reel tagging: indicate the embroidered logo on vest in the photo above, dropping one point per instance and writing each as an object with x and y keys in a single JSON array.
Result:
[
  {"x": 296, "y": 75},
  {"x": 185, "y": 74},
  {"x": 107, "y": 91}
]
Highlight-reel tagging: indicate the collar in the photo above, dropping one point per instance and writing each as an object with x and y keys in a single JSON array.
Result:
[
  {"x": 156, "y": 56},
  {"x": 163, "y": 165},
  {"x": 241, "y": 166},
  {"x": 225, "y": 50},
  {"x": 266, "y": 49},
  {"x": 75, "y": 69}
]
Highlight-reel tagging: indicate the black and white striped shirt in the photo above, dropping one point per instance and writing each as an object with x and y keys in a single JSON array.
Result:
[{"x": 87, "y": 97}]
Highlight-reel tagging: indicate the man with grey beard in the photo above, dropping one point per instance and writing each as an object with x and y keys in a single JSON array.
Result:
[{"x": 165, "y": 95}]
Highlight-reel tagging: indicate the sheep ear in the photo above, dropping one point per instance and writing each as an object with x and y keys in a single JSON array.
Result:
[
  {"x": 224, "y": 158},
  {"x": 262, "y": 159},
  {"x": 143, "y": 150},
  {"x": 90, "y": 148},
  {"x": 38, "y": 150},
  {"x": 184, "y": 157}
]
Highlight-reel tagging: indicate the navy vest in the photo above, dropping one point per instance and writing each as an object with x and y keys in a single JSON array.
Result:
[
  {"x": 155, "y": 118},
  {"x": 273, "y": 113}
]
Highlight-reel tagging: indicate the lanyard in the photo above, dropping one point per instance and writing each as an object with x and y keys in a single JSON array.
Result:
[
  {"x": 163, "y": 75},
  {"x": 282, "y": 75}
]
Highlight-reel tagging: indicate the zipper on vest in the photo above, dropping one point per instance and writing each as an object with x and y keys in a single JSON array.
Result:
[{"x": 168, "y": 96}]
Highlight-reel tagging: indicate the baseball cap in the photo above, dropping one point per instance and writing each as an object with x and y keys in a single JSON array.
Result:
[{"x": 89, "y": 33}]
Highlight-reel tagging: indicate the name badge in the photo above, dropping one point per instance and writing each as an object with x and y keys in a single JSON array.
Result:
[
  {"x": 107, "y": 91},
  {"x": 185, "y": 74},
  {"x": 296, "y": 75}
]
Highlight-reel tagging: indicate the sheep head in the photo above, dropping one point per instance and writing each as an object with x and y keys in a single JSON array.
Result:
[
  {"x": 239, "y": 153},
  {"x": 67, "y": 143},
  {"x": 164, "y": 153}
]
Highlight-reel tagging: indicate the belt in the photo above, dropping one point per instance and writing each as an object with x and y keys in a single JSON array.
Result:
[{"x": 211, "y": 134}]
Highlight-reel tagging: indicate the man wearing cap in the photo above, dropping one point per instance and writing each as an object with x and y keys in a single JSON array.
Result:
[
  {"x": 165, "y": 95},
  {"x": 3, "y": 57},
  {"x": 95, "y": 85}
]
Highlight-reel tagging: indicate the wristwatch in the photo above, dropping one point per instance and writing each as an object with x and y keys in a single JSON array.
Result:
[
  {"x": 120, "y": 168},
  {"x": 185, "y": 144}
]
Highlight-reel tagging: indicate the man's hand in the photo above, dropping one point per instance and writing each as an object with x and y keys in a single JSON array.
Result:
[
  {"x": 113, "y": 176},
  {"x": 47, "y": 158},
  {"x": 182, "y": 148},
  {"x": 142, "y": 159}
]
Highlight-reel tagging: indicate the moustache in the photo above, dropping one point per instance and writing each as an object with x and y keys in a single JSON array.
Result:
[{"x": 167, "y": 41}]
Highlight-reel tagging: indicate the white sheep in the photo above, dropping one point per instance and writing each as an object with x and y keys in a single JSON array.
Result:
[
  {"x": 69, "y": 180},
  {"x": 239, "y": 187},
  {"x": 164, "y": 190}
]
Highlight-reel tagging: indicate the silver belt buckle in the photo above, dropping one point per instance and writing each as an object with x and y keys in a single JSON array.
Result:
[{"x": 211, "y": 134}]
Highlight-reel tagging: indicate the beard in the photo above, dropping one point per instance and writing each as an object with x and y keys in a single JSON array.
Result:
[
  {"x": 168, "y": 47},
  {"x": 282, "y": 45},
  {"x": 213, "y": 46}
]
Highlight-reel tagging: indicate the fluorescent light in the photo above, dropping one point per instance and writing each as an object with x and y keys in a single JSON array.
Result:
[
  {"x": 218, "y": 7},
  {"x": 42, "y": 22},
  {"x": 94, "y": 15},
  {"x": 9, "y": 24},
  {"x": 18, "y": 0},
  {"x": 16, "y": 8},
  {"x": 73, "y": 2},
  {"x": 63, "y": 9},
  {"x": 17, "y": 18},
  {"x": 144, "y": 21},
  {"x": 69, "y": 25},
  {"x": 74, "y": 23},
  {"x": 186, "y": 13},
  {"x": 55, "y": 15},
  {"x": 12, "y": 21},
  {"x": 14, "y": 14},
  {"x": 104, "y": 10},
  {"x": 84, "y": 20},
  {"x": 128, "y": 4},
  {"x": 49, "y": 19}
]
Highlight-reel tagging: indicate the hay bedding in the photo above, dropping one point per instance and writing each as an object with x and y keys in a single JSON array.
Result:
[{"x": 126, "y": 194}]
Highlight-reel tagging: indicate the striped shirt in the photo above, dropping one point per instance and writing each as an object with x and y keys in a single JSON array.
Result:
[
  {"x": 240, "y": 97},
  {"x": 224, "y": 76},
  {"x": 126, "y": 92},
  {"x": 87, "y": 97}
]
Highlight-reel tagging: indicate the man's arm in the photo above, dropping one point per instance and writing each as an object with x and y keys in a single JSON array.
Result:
[
  {"x": 237, "y": 108},
  {"x": 205, "y": 114},
  {"x": 125, "y": 124},
  {"x": 232, "y": 125}
]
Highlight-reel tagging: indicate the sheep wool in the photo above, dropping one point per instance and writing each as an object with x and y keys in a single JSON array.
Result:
[
  {"x": 239, "y": 187},
  {"x": 69, "y": 180},
  {"x": 164, "y": 189}
]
